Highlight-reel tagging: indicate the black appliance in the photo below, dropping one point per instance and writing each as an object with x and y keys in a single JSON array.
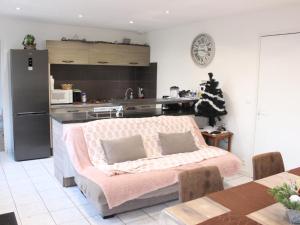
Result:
[{"x": 30, "y": 104}]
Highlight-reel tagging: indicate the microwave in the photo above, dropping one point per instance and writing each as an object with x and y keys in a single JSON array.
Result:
[{"x": 59, "y": 96}]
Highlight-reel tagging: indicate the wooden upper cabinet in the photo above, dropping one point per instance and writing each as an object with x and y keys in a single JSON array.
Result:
[
  {"x": 134, "y": 55},
  {"x": 121, "y": 55},
  {"x": 103, "y": 54},
  {"x": 67, "y": 52},
  {"x": 62, "y": 52}
]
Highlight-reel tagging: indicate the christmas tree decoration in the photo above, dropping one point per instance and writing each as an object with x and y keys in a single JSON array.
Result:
[{"x": 211, "y": 103}]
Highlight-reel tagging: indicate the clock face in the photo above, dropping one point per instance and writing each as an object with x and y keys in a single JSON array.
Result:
[{"x": 203, "y": 49}]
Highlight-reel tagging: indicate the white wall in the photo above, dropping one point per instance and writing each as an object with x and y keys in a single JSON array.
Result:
[
  {"x": 235, "y": 65},
  {"x": 12, "y": 32}
]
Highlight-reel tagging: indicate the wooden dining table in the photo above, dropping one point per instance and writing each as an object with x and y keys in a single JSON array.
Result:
[{"x": 246, "y": 204}]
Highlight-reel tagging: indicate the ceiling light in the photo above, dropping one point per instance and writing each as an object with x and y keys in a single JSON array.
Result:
[
  {"x": 167, "y": 12},
  {"x": 131, "y": 22},
  {"x": 18, "y": 8},
  {"x": 80, "y": 15}
]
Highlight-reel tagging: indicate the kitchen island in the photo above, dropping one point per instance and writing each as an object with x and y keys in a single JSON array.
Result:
[
  {"x": 81, "y": 117},
  {"x": 129, "y": 102},
  {"x": 135, "y": 108}
]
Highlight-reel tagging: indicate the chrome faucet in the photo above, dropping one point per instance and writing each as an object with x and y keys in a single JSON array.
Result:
[{"x": 126, "y": 94}]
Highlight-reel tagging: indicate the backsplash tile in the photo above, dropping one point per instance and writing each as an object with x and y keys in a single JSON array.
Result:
[{"x": 106, "y": 82}]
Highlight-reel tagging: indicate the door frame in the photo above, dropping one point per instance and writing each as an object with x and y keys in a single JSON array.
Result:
[
  {"x": 1, "y": 92},
  {"x": 258, "y": 102}
]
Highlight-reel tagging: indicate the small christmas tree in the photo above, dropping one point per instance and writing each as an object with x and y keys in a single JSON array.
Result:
[{"x": 211, "y": 103}]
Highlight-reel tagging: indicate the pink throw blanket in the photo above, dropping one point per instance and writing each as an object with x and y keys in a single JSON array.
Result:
[{"x": 122, "y": 188}]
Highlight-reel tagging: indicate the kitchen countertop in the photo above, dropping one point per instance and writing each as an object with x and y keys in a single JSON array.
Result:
[
  {"x": 80, "y": 105},
  {"x": 148, "y": 101},
  {"x": 80, "y": 117},
  {"x": 130, "y": 102}
]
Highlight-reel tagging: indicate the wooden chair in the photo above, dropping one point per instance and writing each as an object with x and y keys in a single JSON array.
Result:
[
  {"x": 267, "y": 164},
  {"x": 199, "y": 182}
]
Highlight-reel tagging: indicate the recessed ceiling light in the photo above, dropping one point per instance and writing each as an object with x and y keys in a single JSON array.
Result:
[
  {"x": 167, "y": 12},
  {"x": 18, "y": 8},
  {"x": 80, "y": 15},
  {"x": 131, "y": 22}
]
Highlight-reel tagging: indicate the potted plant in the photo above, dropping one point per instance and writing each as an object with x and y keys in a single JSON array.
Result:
[
  {"x": 289, "y": 196},
  {"x": 29, "y": 42}
]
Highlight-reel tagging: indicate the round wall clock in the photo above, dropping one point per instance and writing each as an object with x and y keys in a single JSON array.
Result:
[{"x": 203, "y": 49}]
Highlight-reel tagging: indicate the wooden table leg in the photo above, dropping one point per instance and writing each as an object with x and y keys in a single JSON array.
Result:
[
  {"x": 216, "y": 142},
  {"x": 229, "y": 144}
]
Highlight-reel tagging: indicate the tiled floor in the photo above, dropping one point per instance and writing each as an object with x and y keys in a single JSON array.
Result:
[{"x": 31, "y": 191}]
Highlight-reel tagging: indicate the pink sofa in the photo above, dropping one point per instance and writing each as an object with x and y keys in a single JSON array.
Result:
[{"x": 116, "y": 194}]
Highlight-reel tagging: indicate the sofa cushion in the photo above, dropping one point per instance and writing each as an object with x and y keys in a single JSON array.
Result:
[
  {"x": 173, "y": 143},
  {"x": 124, "y": 149}
]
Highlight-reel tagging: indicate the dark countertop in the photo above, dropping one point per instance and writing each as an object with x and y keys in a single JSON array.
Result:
[
  {"x": 148, "y": 101},
  {"x": 80, "y": 117},
  {"x": 130, "y": 102}
]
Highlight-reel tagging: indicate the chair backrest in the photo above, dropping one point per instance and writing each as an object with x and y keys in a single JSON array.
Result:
[
  {"x": 199, "y": 182},
  {"x": 267, "y": 164}
]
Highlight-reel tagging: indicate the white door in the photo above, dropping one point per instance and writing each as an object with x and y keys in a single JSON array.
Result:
[{"x": 278, "y": 118}]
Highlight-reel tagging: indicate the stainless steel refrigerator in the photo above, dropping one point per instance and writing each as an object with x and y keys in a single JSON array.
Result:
[{"x": 30, "y": 104}]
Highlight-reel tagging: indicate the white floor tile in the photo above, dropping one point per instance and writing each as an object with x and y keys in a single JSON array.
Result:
[
  {"x": 46, "y": 161},
  {"x": 12, "y": 166},
  {"x": 66, "y": 215},
  {"x": 37, "y": 173},
  {"x": 154, "y": 211},
  {"x": 6, "y": 199},
  {"x": 42, "y": 179},
  {"x": 72, "y": 191},
  {"x": 45, "y": 186},
  {"x": 233, "y": 177},
  {"x": 40, "y": 219},
  {"x": 27, "y": 189},
  {"x": 16, "y": 176},
  {"x": 28, "y": 210},
  {"x": 3, "y": 185},
  {"x": 78, "y": 199},
  {"x": 19, "y": 182},
  {"x": 30, "y": 190},
  {"x": 55, "y": 204},
  {"x": 239, "y": 181},
  {"x": 26, "y": 199},
  {"x": 98, "y": 220},
  {"x": 88, "y": 210},
  {"x": 53, "y": 193},
  {"x": 145, "y": 221},
  {"x": 133, "y": 216},
  {"x": 172, "y": 203},
  {"x": 4, "y": 194},
  {"x": 29, "y": 163},
  {"x": 6, "y": 207},
  {"x": 77, "y": 222}
]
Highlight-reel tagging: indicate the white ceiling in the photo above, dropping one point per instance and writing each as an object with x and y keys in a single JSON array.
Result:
[{"x": 147, "y": 14}]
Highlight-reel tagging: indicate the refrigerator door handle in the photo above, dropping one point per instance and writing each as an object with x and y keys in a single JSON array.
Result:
[{"x": 32, "y": 113}]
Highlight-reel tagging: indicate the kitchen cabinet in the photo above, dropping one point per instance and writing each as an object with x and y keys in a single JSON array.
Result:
[
  {"x": 104, "y": 54},
  {"x": 62, "y": 52},
  {"x": 121, "y": 55}
]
